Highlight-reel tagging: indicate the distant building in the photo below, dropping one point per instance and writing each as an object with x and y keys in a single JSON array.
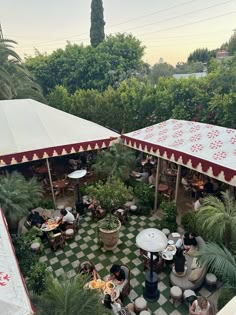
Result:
[
  {"x": 222, "y": 54},
  {"x": 196, "y": 75}
]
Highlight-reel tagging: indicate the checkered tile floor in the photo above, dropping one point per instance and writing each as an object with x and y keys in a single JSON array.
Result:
[{"x": 84, "y": 247}]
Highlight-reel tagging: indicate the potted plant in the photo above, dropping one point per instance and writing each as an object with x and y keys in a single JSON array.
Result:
[{"x": 111, "y": 195}]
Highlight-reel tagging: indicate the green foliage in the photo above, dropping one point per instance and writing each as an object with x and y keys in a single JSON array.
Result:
[
  {"x": 117, "y": 161},
  {"x": 68, "y": 297},
  {"x": 189, "y": 222},
  {"x": 220, "y": 261},
  {"x": 225, "y": 296},
  {"x": 218, "y": 218},
  {"x": 111, "y": 195},
  {"x": 200, "y": 54},
  {"x": 24, "y": 254},
  {"x": 37, "y": 278},
  {"x": 46, "y": 203},
  {"x": 191, "y": 67},
  {"x": 145, "y": 197},
  {"x": 15, "y": 80},
  {"x": 169, "y": 211},
  {"x": 161, "y": 69},
  {"x": 79, "y": 67},
  {"x": 17, "y": 195},
  {"x": 97, "y": 34}
]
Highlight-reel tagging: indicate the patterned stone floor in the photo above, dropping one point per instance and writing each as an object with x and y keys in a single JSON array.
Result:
[{"x": 84, "y": 247}]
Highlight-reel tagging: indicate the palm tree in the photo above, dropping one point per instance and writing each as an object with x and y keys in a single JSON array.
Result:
[
  {"x": 15, "y": 80},
  {"x": 220, "y": 261},
  {"x": 17, "y": 195},
  {"x": 218, "y": 218},
  {"x": 115, "y": 162},
  {"x": 68, "y": 297}
]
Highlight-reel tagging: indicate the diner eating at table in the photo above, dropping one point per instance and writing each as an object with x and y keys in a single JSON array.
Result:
[
  {"x": 189, "y": 240},
  {"x": 117, "y": 276},
  {"x": 67, "y": 218},
  {"x": 35, "y": 218},
  {"x": 89, "y": 270},
  {"x": 179, "y": 263}
]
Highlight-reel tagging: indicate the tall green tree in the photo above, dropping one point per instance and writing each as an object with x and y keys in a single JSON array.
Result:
[
  {"x": 97, "y": 33},
  {"x": 15, "y": 80}
]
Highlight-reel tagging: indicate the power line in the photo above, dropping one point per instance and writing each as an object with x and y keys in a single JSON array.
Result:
[{"x": 177, "y": 16}]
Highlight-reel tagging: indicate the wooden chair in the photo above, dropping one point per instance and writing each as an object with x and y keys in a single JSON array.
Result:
[
  {"x": 126, "y": 289},
  {"x": 168, "y": 195},
  {"x": 158, "y": 262},
  {"x": 122, "y": 215},
  {"x": 57, "y": 240},
  {"x": 97, "y": 214}
]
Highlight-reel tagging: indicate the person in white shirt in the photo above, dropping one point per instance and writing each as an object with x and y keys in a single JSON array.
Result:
[
  {"x": 184, "y": 181},
  {"x": 201, "y": 307},
  {"x": 197, "y": 204},
  {"x": 66, "y": 218}
]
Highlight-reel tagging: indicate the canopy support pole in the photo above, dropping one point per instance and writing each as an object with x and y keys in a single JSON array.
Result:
[
  {"x": 157, "y": 182},
  {"x": 177, "y": 182},
  {"x": 51, "y": 185}
]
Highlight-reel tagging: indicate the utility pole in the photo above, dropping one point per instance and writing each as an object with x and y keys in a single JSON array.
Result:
[{"x": 1, "y": 33}]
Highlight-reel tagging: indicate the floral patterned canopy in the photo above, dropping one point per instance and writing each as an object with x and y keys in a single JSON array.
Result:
[
  {"x": 209, "y": 149},
  {"x": 14, "y": 297}
]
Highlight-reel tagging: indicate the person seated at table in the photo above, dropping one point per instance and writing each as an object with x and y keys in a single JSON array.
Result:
[
  {"x": 216, "y": 187},
  {"x": 35, "y": 218},
  {"x": 67, "y": 218},
  {"x": 152, "y": 178},
  {"x": 89, "y": 270},
  {"x": 117, "y": 276},
  {"x": 201, "y": 306},
  {"x": 179, "y": 263},
  {"x": 189, "y": 240},
  {"x": 208, "y": 186},
  {"x": 143, "y": 176},
  {"x": 197, "y": 204},
  {"x": 114, "y": 305},
  {"x": 184, "y": 181}
]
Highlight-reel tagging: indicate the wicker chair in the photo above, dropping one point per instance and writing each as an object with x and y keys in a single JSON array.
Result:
[
  {"x": 57, "y": 240},
  {"x": 158, "y": 262}
]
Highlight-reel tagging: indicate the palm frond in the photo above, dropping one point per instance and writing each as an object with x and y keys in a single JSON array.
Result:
[{"x": 220, "y": 261}]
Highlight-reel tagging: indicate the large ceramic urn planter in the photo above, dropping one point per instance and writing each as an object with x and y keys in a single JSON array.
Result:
[{"x": 110, "y": 238}]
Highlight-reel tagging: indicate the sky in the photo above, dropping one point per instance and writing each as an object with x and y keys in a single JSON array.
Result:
[{"x": 169, "y": 29}]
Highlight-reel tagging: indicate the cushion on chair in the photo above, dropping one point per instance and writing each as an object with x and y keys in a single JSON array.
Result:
[
  {"x": 145, "y": 313},
  {"x": 166, "y": 231},
  {"x": 69, "y": 232},
  {"x": 188, "y": 293},
  {"x": 195, "y": 274},
  {"x": 35, "y": 246},
  {"x": 194, "y": 265}
]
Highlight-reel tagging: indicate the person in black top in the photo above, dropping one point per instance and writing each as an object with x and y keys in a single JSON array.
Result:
[
  {"x": 208, "y": 186},
  {"x": 179, "y": 262},
  {"x": 34, "y": 218},
  {"x": 189, "y": 240},
  {"x": 117, "y": 274}
]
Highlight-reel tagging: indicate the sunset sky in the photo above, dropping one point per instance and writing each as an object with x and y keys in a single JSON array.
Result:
[{"x": 169, "y": 29}]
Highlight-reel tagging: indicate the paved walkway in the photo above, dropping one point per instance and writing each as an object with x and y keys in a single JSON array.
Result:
[{"x": 84, "y": 247}]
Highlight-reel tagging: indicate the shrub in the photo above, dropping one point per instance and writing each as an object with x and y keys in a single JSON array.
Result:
[
  {"x": 189, "y": 222},
  {"x": 169, "y": 215},
  {"x": 226, "y": 294},
  {"x": 46, "y": 203},
  {"x": 37, "y": 278}
]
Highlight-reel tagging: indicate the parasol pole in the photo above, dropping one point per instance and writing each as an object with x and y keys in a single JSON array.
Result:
[
  {"x": 157, "y": 182},
  {"x": 177, "y": 182},
  {"x": 51, "y": 185}
]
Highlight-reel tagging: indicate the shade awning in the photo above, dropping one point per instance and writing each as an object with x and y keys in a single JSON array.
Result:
[
  {"x": 31, "y": 130},
  {"x": 14, "y": 298},
  {"x": 206, "y": 148}
]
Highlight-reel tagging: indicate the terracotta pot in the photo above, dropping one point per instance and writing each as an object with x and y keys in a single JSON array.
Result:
[{"x": 110, "y": 238}]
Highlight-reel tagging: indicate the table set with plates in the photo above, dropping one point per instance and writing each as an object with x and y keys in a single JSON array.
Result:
[
  {"x": 50, "y": 225},
  {"x": 105, "y": 287}
]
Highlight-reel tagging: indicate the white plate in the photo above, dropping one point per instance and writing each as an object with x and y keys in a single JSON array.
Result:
[{"x": 171, "y": 242}]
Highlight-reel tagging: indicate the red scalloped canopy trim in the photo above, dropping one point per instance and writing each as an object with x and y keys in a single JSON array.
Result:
[
  {"x": 195, "y": 161},
  {"x": 54, "y": 151}
]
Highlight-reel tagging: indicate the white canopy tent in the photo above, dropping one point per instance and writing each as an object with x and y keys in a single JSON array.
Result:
[
  {"x": 31, "y": 131},
  {"x": 208, "y": 149},
  {"x": 14, "y": 297}
]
